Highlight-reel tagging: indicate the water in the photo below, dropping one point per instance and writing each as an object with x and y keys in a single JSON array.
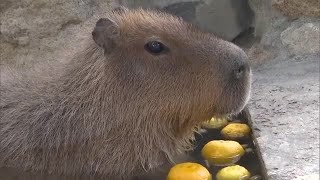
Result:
[{"x": 251, "y": 160}]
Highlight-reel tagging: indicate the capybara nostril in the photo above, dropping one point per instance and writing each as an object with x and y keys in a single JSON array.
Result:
[{"x": 239, "y": 72}]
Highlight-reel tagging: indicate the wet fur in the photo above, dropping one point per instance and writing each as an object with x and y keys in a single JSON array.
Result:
[{"x": 119, "y": 112}]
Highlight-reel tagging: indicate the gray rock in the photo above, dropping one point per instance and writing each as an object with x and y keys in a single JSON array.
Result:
[
  {"x": 302, "y": 39},
  {"x": 226, "y": 18},
  {"x": 280, "y": 42},
  {"x": 263, "y": 11},
  {"x": 285, "y": 110}
]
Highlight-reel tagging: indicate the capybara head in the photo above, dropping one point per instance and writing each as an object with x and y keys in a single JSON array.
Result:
[{"x": 174, "y": 66}]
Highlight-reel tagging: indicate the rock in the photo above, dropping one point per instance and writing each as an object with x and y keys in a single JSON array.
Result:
[
  {"x": 283, "y": 39},
  {"x": 262, "y": 16},
  {"x": 34, "y": 31},
  {"x": 226, "y": 18},
  {"x": 297, "y": 8},
  {"x": 302, "y": 39}
]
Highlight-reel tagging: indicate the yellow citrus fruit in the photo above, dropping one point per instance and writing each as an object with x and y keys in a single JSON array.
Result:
[
  {"x": 235, "y": 172},
  {"x": 236, "y": 131},
  {"x": 189, "y": 171},
  {"x": 222, "y": 153},
  {"x": 215, "y": 123}
]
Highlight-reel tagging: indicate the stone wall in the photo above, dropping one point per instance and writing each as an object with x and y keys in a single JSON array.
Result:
[
  {"x": 225, "y": 18},
  {"x": 293, "y": 29},
  {"x": 44, "y": 30},
  {"x": 297, "y": 8},
  {"x": 34, "y": 31}
]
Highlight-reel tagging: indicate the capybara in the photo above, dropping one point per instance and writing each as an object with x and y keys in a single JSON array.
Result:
[{"x": 126, "y": 104}]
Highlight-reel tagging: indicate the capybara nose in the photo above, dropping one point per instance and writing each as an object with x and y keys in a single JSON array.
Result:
[{"x": 240, "y": 71}]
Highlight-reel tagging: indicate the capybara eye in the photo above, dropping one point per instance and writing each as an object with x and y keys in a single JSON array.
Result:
[{"x": 154, "y": 47}]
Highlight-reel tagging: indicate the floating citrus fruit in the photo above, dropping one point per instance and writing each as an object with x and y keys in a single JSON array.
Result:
[
  {"x": 215, "y": 123},
  {"x": 236, "y": 131},
  {"x": 189, "y": 171},
  {"x": 222, "y": 153},
  {"x": 235, "y": 172}
]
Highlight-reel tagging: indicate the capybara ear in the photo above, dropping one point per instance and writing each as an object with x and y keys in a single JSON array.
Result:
[
  {"x": 120, "y": 10},
  {"x": 104, "y": 33}
]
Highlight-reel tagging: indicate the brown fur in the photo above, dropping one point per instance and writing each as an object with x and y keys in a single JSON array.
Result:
[{"x": 117, "y": 112}]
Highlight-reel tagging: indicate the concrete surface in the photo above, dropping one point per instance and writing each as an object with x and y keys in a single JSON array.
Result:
[
  {"x": 285, "y": 111},
  {"x": 285, "y": 98}
]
